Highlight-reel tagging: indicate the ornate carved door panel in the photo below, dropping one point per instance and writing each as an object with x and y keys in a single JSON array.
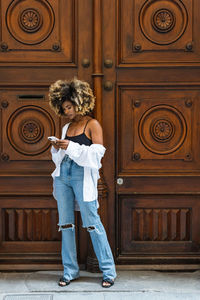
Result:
[
  {"x": 39, "y": 44},
  {"x": 158, "y": 155}
]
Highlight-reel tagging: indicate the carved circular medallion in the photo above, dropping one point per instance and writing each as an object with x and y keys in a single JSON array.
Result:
[
  {"x": 28, "y": 128},
  {"x": 162, "y": 129},
  {"x": 30, "y": 20},
  {"x": 31, "y": 131},
  {"x": 163, "y": 21},
  {"x": 30, "y": 25}
]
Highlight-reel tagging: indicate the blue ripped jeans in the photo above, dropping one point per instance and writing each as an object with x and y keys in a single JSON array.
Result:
[{"x": 67, "y": 187}]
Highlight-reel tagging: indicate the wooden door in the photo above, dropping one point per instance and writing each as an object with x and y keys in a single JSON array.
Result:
[
  {"x": 40, "y": 41},
  {"x": 154, "y": 104}
]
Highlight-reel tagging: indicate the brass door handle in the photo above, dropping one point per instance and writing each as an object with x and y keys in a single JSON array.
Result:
[
  {"x": 108, "y": 85},
  {"x": 85, "y": 62},
  {"x": 108, "y": 63}
]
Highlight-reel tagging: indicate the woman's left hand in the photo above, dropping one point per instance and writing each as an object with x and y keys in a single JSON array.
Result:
[{"x": 63, "y": 144}]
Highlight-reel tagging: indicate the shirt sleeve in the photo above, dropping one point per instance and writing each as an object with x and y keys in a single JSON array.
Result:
[
  {"x": 54, "y": 155},
  {"x": 53, "y": 150},
  {"x": 56, "y": 152},
  {"x": 86, "y": 156}
]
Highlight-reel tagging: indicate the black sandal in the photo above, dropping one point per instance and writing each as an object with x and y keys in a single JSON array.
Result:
[
  {"x": 110, "y": 281},
  {"x": 63, "y": 281}
]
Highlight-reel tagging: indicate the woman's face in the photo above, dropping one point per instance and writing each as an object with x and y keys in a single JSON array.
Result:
[{"x": 69, "y": 109}]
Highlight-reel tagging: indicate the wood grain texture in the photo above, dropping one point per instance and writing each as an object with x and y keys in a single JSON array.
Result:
[{"x": 30, "y": 224}]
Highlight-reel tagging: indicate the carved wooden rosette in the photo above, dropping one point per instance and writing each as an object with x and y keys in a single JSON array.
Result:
[
  {"x": 165, "y": 28},
  {"x": 92, "y": 262},
  {"x": 33, "y": 25},
  {"x": 27, "y": 131}
]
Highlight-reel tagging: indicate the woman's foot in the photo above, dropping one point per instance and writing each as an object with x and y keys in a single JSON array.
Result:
[
  {"x": 63, "y": 281},
  {"x": 106, "y": 283}
]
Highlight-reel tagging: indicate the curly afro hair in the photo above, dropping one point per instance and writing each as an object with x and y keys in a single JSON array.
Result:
[{"x": 76, "y": 91}]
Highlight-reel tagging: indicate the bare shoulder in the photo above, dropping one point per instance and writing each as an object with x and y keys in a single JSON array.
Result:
[
  {"x": 94, "y": 125},
  {"x": 95, "y": 131}
]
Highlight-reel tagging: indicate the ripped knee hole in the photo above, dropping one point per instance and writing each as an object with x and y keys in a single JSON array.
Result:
[
  {"x": 91, "y": 228},
  {"x": 66, "y": 226}
]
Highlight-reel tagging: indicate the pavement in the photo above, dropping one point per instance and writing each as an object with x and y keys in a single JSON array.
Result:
[{"x": 129, "y": 285}]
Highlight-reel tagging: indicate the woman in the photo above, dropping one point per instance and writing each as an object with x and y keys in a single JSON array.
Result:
[{"x": 77, "y": 156}]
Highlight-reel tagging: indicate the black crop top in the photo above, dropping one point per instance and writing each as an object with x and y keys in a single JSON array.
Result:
[{"x": 82, "y": 139}]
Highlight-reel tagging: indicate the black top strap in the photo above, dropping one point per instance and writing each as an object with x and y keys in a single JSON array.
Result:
[{"x": 86, "y": 125}]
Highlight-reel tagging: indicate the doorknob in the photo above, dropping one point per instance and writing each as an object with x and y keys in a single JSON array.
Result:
[
  {"x": 108, "y": 86},
  {"x": 85, "y": 63},
  {"x": 108, "y": 63}
]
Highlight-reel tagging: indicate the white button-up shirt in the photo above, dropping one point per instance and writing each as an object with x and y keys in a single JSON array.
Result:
[{"x": 88, "y": 157}]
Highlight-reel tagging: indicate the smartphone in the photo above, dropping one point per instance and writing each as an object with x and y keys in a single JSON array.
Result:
[{"x": 52, "y": 138}]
